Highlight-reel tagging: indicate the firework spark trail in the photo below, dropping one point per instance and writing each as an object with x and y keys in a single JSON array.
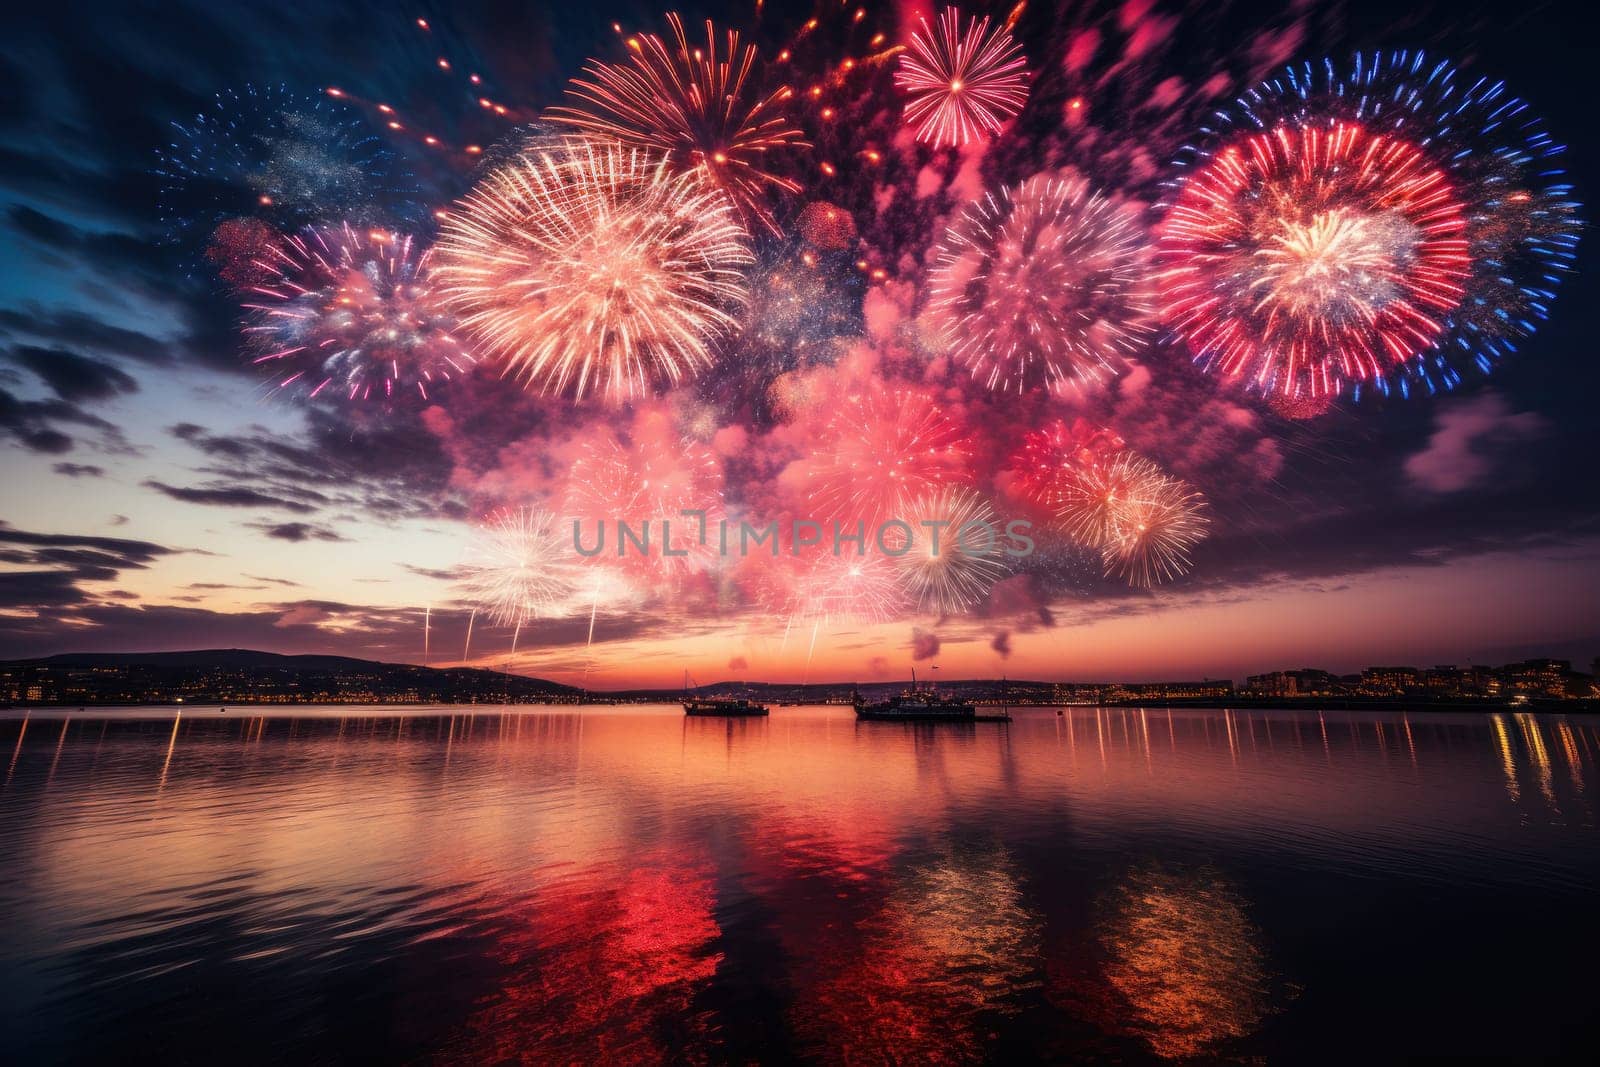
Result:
[
  {"x": 1309, "y": 257},
  {"x": 354, "y": 311},
  {"x": 697, "y": 108},
  {"x": 1043, "y": 284},
  {"x": 962, "y": 82},
  {"x": 955, "y": 556},
  {"x": 466, "y": 651},
  {"x": 517, "y": 568},
  {"x": 591, "y": 267}
]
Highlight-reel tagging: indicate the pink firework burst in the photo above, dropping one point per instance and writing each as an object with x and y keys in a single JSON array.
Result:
[
  {"x": 1306, "y": 258},
  {"x": 651, "y": 478},
  {"x": 351, "y": 312},
  {"x": 878, "y": 449},
  {"x": 1043, "y": 284},
  {"x": 962, "y": 82}
]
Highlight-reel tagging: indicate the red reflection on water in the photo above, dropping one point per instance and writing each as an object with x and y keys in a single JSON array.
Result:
[{"x": 602, "y": 965}]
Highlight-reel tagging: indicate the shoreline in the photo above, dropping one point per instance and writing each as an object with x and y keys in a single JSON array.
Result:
[{"x": 1582, "y": 707}]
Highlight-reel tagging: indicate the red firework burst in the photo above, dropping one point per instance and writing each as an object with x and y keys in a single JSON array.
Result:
[
  {"x": 1050, "y": 458},
  {"x": 241, "y": 251},
  {"x": 962, "y": 82},
  {"x": 828, "y": 226},
  {"x": 878, "y": 449},
  {"x": 1305, "y": 258},
  {"x": 694, "y": 105}
]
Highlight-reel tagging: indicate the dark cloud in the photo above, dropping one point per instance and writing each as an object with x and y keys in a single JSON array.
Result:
[
  {"x": 83, "y": 332},
  {"x": 297, "y": 531},
  {"x": 132, "y": 553},
  {"x": 924, "y": 643},
  {"x": 33, "y": 424},
  {"x": 63, "y": 562},
  {"x": 74, "y": 377},
  {"x": 79, "y": 470},
  {"x": 35, "y": 589},
  {"x": 227, "y": 496},
  {"x": 385, "y": 467},
  {"x": 1001, "y": 644},
  {"x": 273, "y": 581},
  {"x": 442, "y": 574}
]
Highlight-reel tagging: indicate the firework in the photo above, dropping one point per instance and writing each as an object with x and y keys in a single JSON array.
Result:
[
  {"x": 1042, "y": 284},
  {"x": 1088, "y": 501},
  {"x": 351, "y": 313},
  {"x": 826, "y": 226},
  {"x": 790, "y": 394},
  {"x": 849, "y": 587},
  {"x": 1310, "y": 257},
  {"x": 1300, "y": 408},
  {"x": 1049, "y": 459},
  {"x": 1521, "y": 215},
  {"x": 955, "y": 555},
  {"x": 241, "y": 252},
  {"x": 961, "y": 81},
  {"x": 519, "y": 567},
  {"x": 646, "y": 480},
  {"x": 591, "y": 267},
  {"x": 1143, "y": 521},
  {"x": 292, "y": 158},
  {"x": 797, "y": 312},
  {"x": 879, "y": 449},
  {"x": 696, "y": 107}
]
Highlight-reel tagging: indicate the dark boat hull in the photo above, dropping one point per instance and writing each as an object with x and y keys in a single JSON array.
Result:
[
  {"x": 754, "y": 711},
  {"x": 891, "y": 713}
]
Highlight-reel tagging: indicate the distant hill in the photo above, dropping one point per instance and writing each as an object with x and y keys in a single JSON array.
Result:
[
  {"x": 241, "y": 675},
  {"x": 210, "y": 657}
]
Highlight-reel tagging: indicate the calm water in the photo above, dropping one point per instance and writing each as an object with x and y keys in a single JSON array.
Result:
[{"x": 625, "y": 885}]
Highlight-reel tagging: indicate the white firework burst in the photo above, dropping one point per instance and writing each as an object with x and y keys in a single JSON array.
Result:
[{"x": 516, "y": 569}]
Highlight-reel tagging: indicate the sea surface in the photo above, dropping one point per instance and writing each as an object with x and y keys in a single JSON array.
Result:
[{"x": 624, "y": 885}]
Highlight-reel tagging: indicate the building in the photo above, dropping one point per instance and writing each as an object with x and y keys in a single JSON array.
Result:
[
  {"x": 1537, "y": 678},
  {"x": 1390, "y": 681},
  {"x": 1305, "y": 682}
]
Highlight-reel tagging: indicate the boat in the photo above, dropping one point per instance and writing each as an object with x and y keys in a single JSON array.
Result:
[
  {"x": 920, "y": 705},
  {"x": 724, "y": 706}
]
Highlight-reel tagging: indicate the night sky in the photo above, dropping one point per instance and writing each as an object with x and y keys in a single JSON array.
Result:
[{"x": 156, "y": 496}]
